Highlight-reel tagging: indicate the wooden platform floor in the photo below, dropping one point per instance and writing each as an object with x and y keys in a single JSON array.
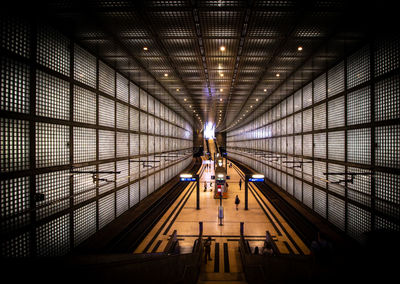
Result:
[{"x": 261, "y": 216}]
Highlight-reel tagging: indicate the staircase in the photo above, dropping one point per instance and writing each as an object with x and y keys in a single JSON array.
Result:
[{"x": 225, "y": 266}]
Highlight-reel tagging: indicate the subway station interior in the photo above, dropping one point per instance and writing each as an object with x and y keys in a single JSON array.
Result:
[{"x": 196, "y": 141}]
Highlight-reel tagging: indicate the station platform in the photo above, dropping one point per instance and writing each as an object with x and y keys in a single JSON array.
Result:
[{"x": 261, "y": 216}]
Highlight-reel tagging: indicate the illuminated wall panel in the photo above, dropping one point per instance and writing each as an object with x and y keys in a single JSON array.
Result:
[
  {"x": 67, "y": 118},
  {"x": 106, "y": 210},
  {"x": 52, "y": 96},
  {"x": 53, "y": 238},
  {"x": 349, "y": 126},
  {"x": 14, "y": 86}
]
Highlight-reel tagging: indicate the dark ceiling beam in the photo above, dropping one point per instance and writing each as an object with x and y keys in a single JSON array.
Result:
[
  {"x": 312, "y": 55},
  {"x": 138, "y": 7},
  {"x": 300, "y": 11},
  {"x": 196, "y": 19},
  {"x": 243, "y": 38},
  {"x": 106, "y": 28}
]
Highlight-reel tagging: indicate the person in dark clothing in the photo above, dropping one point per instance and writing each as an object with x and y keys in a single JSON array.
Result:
[
  {"x": 256, "y": 250},
  {"x": 267, "y": 249},
  {"x": 207, "y": 249},
  {"x": 240, "y": 184},
  {"x": 321, "y": 249},
  {"x": 205, "y": 186},
  {"x": 237, "y": 201}
]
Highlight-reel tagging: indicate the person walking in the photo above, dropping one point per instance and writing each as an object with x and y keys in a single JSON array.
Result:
[
  {"x": 240, "y": 184},
  {"x": 237, "y": 201},
  {"x": 207, "y": 249},
  {"x": 205, "y": 186}
]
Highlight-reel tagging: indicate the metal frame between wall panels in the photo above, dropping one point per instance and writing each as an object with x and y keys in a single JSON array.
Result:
[
  {"x": 365, "y": 201},
  {"x": 180, "y": 134}
]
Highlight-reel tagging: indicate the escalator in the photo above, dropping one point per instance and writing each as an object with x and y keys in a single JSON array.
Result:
[
  {"x": 206, "y": 147},
  {"x": 212, "y": 148},
  {"x": 216, "y": 146}
]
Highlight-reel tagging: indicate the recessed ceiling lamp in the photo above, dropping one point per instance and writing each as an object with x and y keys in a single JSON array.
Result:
[
  {"x": 185, "y": 99},
  {"x": 177, "y": 90},
  {"x": 300, "y": 48},
  {"x": 265, "y": 90},
  {"x": 221, "y": 90},
  {"x": 145, "y": 48},
  {"x": 277, "y": 75},
  {"x": 165, "y": 74},
  {"x": 220, "y": 100},
  {"x": 221, "y": 74},
  {"x": 222, "y": 48},
  {"x": 256, "y": 100}
]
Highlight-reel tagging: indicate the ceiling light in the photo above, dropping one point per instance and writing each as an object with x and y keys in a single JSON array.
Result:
[
  {"x": 185, "y": 99},
  {"x": 166, "y": 75},
  {"x": 300, "y": 48},
  {"x": 265, "y": 90},
  {"x": 221, "y": 74},
  {"x": 145, "y": 48},
  {"x": 190, "y": 106},
  {"x": 220, "y": 111},
  {"x": 177, "y": 90},
  {"x": 221, "y": 90},
  {"x": 256, "y": 100},
  {"x": 222, "y": 48},
  {"x": 220, "y": 100},
  {"x": 251, "y": 106},
  {"x": 277, "y": 75}
]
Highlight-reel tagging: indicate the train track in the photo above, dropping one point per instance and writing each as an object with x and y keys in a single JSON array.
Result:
[{"x": 132, "y": 236}]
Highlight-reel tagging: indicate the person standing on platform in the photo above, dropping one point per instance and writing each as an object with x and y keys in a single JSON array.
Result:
[
  {"x": 205, "y": 186},
  {"x": 237, "y": 201},
  {"x": 207, "y": 249},
  {"x": 240, "y": 184}
]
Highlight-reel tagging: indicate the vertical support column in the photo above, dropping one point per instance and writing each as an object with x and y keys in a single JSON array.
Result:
[
  {"x": 197, "y": 192},
  {"x": 241, "y": 229},
  {"x": 373, "y": 125},
  {"x": 345, "y": 146},
  {"x": 246, "y": 192},
  {"x": 200, "y": 229},
  {"x": 97, "y": 142},
  {"x": 71, "y": 142},
  {"x": 32, "y": 137},
  {"x": 115, "y": 144},
  {"x": 326, "y": 142}
]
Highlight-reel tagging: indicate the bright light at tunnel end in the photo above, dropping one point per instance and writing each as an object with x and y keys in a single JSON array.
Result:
[{"x": 209, "y": 130}]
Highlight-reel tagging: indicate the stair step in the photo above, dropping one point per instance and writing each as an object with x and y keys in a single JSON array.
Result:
[
  {"x": 215, "y": 276},
  {"x": 221, "y": 282}
]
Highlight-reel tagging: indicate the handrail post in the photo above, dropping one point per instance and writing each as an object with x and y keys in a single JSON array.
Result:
[
  {"x": 197, "y": 192},
  {"x": 246, "y": 192},
  {"x": 200, "y": 229}
]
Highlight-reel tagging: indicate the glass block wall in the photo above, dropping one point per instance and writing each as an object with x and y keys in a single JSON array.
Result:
[
  {"x": 64, "y": 115},
  {"x": 334, "y": 145}
]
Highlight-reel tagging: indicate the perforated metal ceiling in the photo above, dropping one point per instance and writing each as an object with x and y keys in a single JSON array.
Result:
[{"x": 184, "y": 65}]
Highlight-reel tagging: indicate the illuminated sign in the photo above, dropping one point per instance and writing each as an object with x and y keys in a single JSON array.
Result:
[
  {"x": 256, "y": 179},
  {"x": 188, "y": 179}
]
